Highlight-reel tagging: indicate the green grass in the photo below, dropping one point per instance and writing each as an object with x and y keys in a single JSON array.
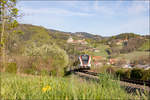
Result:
[
  {"x": 30, "y": 88},
  {"x": 102, "y": 49},
  {"x": 145, "y": 46},
  {"x": 133, "y": 55}
]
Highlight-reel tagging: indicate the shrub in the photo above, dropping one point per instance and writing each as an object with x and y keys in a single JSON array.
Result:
[
  {"x": 127, "y": 74},
  {"x": 132, "y": 44},
  {"x": 146, "y": 75},
  {"x": 120, "y": 73},
  {"x": 110, "y": 70},
  {"x": 143, "y": 60},
  {"x": 44, "y": 72},
  {"x": 136, "y": 73},
  {"x": 59, "y": 58},
  {"x": 123, "y": 74},
  {"x": 30, "y": 70},
  {"x": 120, "y": 62},
  {"x": 11, "y": 68}
]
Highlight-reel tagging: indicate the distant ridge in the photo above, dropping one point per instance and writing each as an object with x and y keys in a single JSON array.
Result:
[{"x": 53, "y": 33}]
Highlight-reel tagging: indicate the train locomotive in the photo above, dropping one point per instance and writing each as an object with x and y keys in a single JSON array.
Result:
[{"x": 84, "y": 62}]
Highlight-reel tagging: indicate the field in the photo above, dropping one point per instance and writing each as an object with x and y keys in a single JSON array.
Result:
[
  {"x": 145, "y": 46},
  {"x": 45, "y": 87},
  {"x": 134, "y": 55},
  {"x": 102, "y": 49}
]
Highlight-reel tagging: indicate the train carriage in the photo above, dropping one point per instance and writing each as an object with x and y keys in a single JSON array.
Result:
[{"x": 85, "y": 62}]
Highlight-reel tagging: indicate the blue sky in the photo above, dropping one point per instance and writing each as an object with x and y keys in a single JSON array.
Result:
[{"x": 104, "y": 18}]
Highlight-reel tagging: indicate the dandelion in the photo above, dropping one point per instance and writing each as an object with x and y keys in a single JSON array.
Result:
[{"x": 46, "y": 88}]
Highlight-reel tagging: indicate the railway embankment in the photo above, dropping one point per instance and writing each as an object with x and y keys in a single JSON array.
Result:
[{"x": 129, "y": 86}]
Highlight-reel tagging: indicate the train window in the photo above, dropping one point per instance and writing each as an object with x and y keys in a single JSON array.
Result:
[{"x": 85, "y": 57}]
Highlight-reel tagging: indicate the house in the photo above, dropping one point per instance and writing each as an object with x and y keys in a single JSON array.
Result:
[
  {"x": 95, "y": 50},
  {"x": 127, "y": 66},
  {"x": 112, "y": 61},
  {"x": 82, "y": 41},
  {"x": 120, "y": 41},
  {"x": 70, "y": 40},
  {"x": 97, "y": 64},
  {"x": 97, "y": 58},
  {"x": 145, "y": 67}
]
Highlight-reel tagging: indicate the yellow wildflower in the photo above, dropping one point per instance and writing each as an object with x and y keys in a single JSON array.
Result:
[{"x": 46, "y": 88}]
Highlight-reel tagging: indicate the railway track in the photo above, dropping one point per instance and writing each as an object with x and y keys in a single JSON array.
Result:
[
  {"x": 140, "y": 82},
  {"x": 129, "y": 85}
]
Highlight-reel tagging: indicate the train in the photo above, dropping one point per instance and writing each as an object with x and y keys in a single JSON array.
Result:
[{"x": 84, "y": 62}]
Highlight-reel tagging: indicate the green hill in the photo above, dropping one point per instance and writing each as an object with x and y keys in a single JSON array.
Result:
[
  {"x": 125, "y": 35},
  {"x": 41, "y": 35},
  {"x": 145, "y": 46}
]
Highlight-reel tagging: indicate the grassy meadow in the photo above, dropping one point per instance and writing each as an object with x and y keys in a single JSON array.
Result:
[
  {"x": 45, "y": 87},
  {"x": 133, "y": 55},
  {"x": 102, "y": 51}
]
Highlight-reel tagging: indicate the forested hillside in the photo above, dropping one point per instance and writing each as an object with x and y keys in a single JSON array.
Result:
[{"x": 51, "y": 50}]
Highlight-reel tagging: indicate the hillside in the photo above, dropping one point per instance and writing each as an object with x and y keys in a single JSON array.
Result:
[
  {"x": 30, "y": 30},
  {"x": 31, "y": 33},
  {"x": 82, "y": 42},
  {"x": 26, "y": 34},
  {"x": 37, "y": 50},
  {"x": 87, "y": 35}
]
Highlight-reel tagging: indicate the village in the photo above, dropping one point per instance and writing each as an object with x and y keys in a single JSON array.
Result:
[{"x": 99, "y": 61}]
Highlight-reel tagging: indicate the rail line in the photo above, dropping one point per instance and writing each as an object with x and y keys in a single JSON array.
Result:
[
  {"x": 129, "y": 85},
  {"x": 140, "y": 82}
]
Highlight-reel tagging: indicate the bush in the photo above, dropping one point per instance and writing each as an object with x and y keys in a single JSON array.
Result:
[
  {"x": 31, "y": 70},
  {"x": 136, "y": 73},
  {"x": 11, "y": 68},
  {"x": 146, "y": 75},
  {"x": 120, "y": 62},
  {"x": 120, "y": 73},
  {"x": 143, "y": 60},
  {"x": 123, "y": 74},
  {"x": 110, "y": 70},
  {"x": 50, "y": 54},
  {"x": 44, "y": 72},
  {"x": 132, "y": 44},
  {"x": 127, "y": 74}
]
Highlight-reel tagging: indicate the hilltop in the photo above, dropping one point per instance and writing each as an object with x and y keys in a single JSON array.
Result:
[
  {"x": 31, "y": 33},
  {"x": 122, "y": 48},
  {"x": 36, "y": 50}
]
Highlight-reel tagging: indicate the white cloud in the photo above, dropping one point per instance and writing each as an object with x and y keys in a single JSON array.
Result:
[
  {"x": 119, "y": 16},
  {"x": 121, "y": 7},
  {"x": 103, "y": 8},
  {"x": 138, "y": 25},
  {"x": 138, "y": 8},
  {"x": 53, "y": 11}
]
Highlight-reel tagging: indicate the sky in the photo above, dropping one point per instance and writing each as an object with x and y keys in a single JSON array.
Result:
[{"x": 105, "y": 18}]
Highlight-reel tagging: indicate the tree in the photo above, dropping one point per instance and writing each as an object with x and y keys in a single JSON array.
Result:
[
  {"x": 8, "y": 15},
  {"x": 58, "y": 56}
]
